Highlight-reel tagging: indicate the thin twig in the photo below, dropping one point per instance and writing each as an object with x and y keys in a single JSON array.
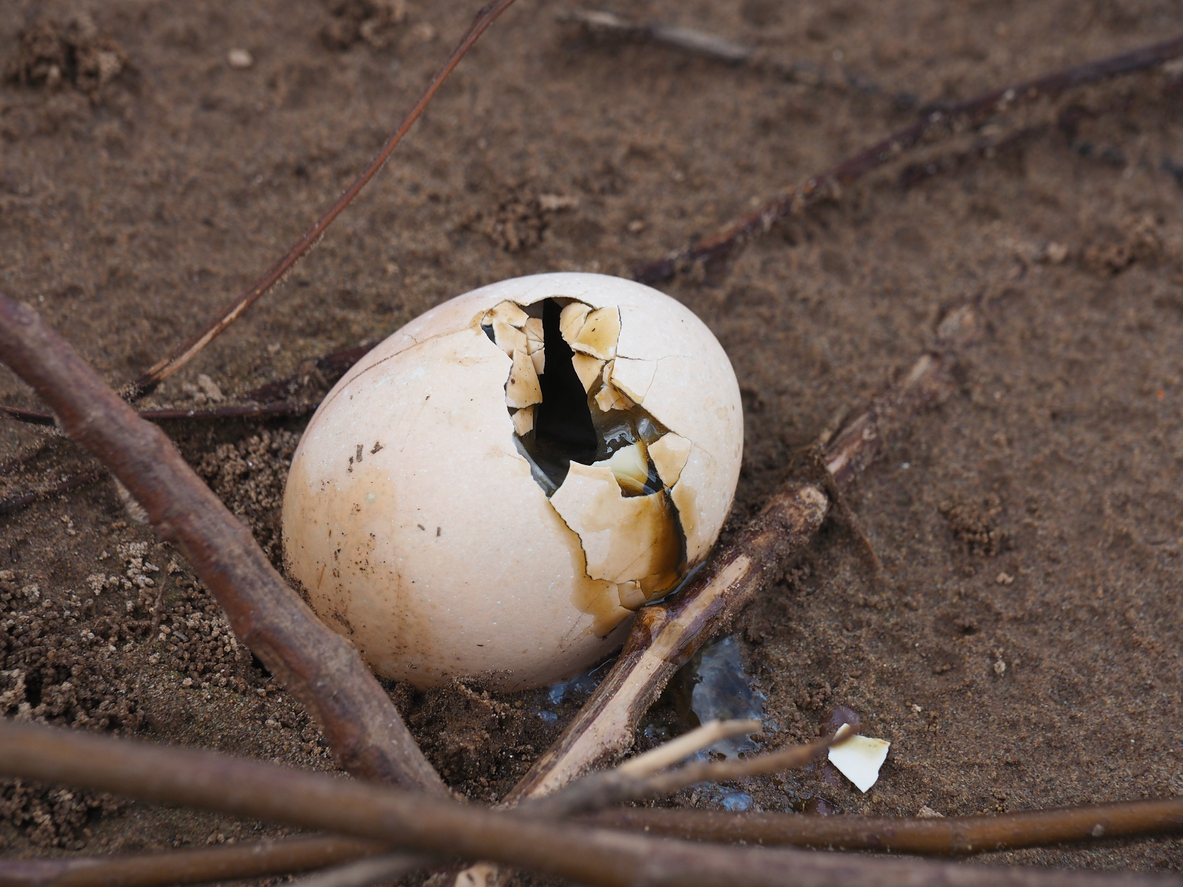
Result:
[
  {"x": 939, "y": 836},
  {"x": 319, "y": 667},
  {"x": 445, "y": 828},
  {"x": 231, "y": 861},
  {"x": 235, "y": 309},
  {"x": 606, "y": 788},
  {"x": 13, "y": 504},
  {"x": 230, "y": 411},
  {"x": 678, "y": 749},
  {"x": 972, "y": 112},
  {"x": 663, "y": 637}
]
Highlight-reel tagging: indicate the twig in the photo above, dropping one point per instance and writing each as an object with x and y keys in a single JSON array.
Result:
[
  {"x": 609, "y": 787},
  {"x": 952, "y": 836},
  {"x": 948, "y": 836},
  {"x": 972, "y": 112},
  {"x": 235, "y": 309},
  {"x": 320, "y": 668},
  {"x": 445, "y": 828},
  {"x": 13, "y": 504},
  {"x": 682, "y": 747},
  {"x": 254, "y": 860},
  {"x": 230, "y": 411}
]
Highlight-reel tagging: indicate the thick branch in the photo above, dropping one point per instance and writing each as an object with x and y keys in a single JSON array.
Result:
[
  {"x": 441, "y": 827},
  {"x": 321, "y": 669}
]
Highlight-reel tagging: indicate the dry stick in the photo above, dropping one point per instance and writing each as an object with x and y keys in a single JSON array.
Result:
[
  {"x": 14, "y": 503},
  {"x": 949, "y": 836},
  {"x": 189, "y": 349},
  {"x": 969, "y": 113},
  {"x": 610, "y": 787},
  {"x": 952, "y": 836},
  {"x": 319, "y": 667},
  {"x": 230, "y": 411},
  {"x": 444, "y": 828},
  {"x": 254, "y": 860},
  {"x": 681, "y": 747}
]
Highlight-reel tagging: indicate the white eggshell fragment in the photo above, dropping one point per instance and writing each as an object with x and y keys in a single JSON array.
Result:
[
  {"x": 438, "y": 516},
  {"x": 859, "y": 758}
]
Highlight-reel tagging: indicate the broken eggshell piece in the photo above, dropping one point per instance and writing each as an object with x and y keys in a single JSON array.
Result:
[
  {"x": 493, "y": 490},
  {"x": 858, "y": 758}
]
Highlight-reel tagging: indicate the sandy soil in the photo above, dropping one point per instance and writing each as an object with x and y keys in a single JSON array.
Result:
[{"x": 1022, "y": 648}]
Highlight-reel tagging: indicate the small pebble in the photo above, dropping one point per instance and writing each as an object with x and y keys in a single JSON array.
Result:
[{"x": 240, "y": 58}]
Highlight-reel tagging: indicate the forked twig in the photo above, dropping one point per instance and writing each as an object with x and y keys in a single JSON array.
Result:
[
  {"x": 235, "y": 309},
  {"x": 447, "y": 829},
  {"x": 972, "y": 112},
  {"x": 319, "y": 667}
]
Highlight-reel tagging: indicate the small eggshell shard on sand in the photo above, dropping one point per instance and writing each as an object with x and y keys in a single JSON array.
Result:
[
  {"x": 859, "y": 758},
  {"x": 483, "y": 496}
]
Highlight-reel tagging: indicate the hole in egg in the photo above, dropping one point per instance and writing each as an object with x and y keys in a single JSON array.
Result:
[{"x": 606, "y": 464}]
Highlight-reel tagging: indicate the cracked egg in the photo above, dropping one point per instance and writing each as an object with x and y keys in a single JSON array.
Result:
[{"x": 496, "y": 488}]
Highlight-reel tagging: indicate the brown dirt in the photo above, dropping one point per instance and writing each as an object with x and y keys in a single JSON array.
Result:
[{"x": 1022, "y": 648}]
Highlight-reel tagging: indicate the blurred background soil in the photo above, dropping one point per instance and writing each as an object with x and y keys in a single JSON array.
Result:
[{"x": 1022, "y": 647}]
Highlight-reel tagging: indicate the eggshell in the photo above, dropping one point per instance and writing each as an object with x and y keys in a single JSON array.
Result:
[{"x": 416, "y": 527}]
